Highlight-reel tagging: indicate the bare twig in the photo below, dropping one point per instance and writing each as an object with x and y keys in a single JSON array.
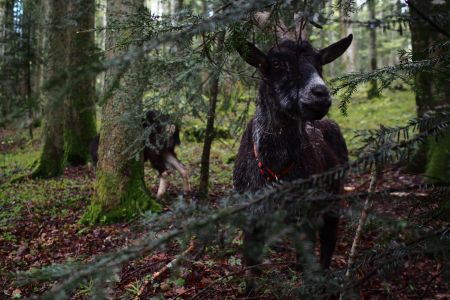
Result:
[{"x": 362, "y": 220}]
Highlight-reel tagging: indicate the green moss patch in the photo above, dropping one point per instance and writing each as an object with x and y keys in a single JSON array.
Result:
[
  {"x": 438, "y": 168},
  {"x": 119, "y": 198}
]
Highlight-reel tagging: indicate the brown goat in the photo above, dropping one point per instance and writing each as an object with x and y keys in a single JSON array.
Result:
[{"x": 286, "y": 139}]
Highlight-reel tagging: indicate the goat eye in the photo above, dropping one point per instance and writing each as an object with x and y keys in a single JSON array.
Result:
[{"x": 276, "y": 64}]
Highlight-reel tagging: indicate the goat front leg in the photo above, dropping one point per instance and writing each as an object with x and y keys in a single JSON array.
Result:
[
  {"x": 328, "y": 237},
  {"x": 253, "y": 250},
  {"x": 173, "y": 161},
  {"x": 163, "y": 183},
  {"x": 304, "y": 241}
]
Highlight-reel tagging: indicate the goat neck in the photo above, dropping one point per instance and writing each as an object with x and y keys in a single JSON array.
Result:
[{"x": 278, "y": 138}]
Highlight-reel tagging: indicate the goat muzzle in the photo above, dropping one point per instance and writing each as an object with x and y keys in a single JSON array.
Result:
[{"x": 315, "y": 110}]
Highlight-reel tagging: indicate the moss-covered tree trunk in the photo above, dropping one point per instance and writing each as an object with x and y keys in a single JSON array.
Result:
[
  {"x": 80, "y": 121},
  {"x": 51, "y": 159},
  {"x": 432, "y": 89},
  {"x": 120, "y": 190}
]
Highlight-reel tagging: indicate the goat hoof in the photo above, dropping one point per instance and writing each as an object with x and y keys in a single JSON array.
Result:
[
  {"x": 251, "y": 285},
  {"x": 251, "y": 288},
  {"x": 298, "y": 267}
]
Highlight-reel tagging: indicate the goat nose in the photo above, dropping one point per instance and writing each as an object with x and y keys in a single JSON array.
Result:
[{"x": 320, "y": 91}]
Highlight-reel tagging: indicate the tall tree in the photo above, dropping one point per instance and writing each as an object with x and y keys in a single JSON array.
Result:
[
  {"x": 349, "y": 56},
  {"x": 6, "y": 50},
  {"x": 209, "y": 131},
  {"x": 3, "y": 8},
  {"x": 432, "y": 88},
  {"x": 31, "y": 57},
  {"x": 373, "y": 89},
  {"x": 51, "y": 159},
  {"x": 80, "y": 120},
  {"x": 120, "y": 189}
]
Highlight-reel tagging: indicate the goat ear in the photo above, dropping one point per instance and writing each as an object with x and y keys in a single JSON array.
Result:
[
  {"x": 252, "y": 55},
  {"x": 335, "y": 50}
]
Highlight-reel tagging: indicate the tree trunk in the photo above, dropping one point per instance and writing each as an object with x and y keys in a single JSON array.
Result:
[
  {"x": 6, "y": 70},
  {"x": 100, "y": 22},
  {"x": 432, "y": 92},
  {"x": 348, "y": 58},
  {"x": 209, "y": 132},
  {"x": 373, "y": 89},
  {"x": 2, "y": 28},
  {"x": 31, "y": 39},
  {"x": 51, "y": 160},
  {"x": 41, "y": 40},
  {"x": 120, "y": 190},
  {"x": 80, "y": 122}
]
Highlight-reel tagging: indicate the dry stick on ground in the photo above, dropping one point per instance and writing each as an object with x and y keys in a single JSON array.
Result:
[
  {"x": 362, "y": 220},
  {"x": 164, "y": 269}
]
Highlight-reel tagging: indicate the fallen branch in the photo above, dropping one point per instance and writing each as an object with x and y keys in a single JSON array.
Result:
[
  {"x": 174, "y": 261},
  {"x": 164, "y": 269}
]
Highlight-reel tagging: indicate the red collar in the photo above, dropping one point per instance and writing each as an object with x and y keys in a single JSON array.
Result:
[{"x": 266, "y": 171}]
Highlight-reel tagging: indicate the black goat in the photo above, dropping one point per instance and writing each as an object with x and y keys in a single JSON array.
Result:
[
  {"x": 162, "y": 138},
  {"x": 286, "y": 139}
]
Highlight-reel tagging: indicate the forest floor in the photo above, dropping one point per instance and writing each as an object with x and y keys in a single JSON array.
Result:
[{"x": 39, "y": 227}]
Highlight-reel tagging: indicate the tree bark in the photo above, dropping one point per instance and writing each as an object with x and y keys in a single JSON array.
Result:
[
  {"x": 432, "y": 92},
  {"x": 3, "y": 7},
  {"x": 120, "y": 190},
  {"x": 7, "y": 44},
  {"x": 31, "y": 39},
  {"x": 100, "y": 22},
  {"x": 209, "y": 132},
  {"x": 373, "y": 89},
  {"x": 80, "y": 121},
  {"x": 349, "y": 56},
  {"x": 51, "y": 159}
]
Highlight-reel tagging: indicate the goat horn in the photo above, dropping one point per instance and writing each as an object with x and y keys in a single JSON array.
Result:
[
  {"x": 300, "y": 27},
  {"x": 262, "y": 19}
]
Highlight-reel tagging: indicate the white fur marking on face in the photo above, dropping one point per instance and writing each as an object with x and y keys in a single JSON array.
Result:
[{"x": 314, "y": 80}]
